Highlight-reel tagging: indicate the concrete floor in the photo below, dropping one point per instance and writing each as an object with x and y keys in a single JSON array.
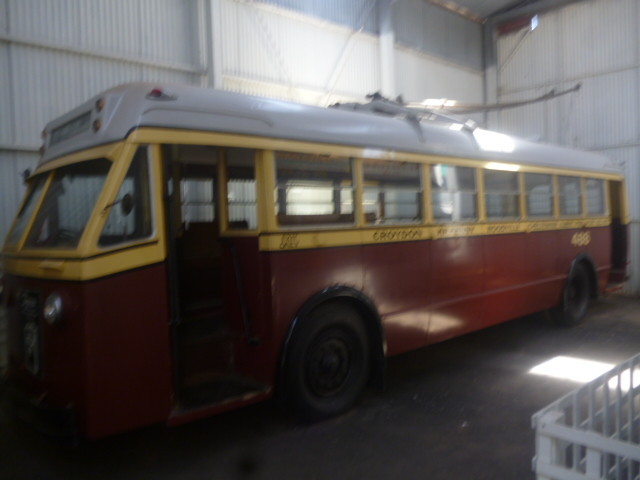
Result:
[{"x": 457, "y": 410}]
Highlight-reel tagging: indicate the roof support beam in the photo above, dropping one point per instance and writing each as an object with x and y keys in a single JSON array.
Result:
[
  {"x": 387, "y": 49},
  {"x": 212, "y": 43}
]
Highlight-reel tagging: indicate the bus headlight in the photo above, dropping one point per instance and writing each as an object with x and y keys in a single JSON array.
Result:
[{"x": 52, "y": 309}]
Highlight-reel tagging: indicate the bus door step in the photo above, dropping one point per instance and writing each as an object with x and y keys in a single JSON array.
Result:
[
  {"x": 205, "y": 357},
  {"x": 203, "y": 326},
  {"x": 193, "y": 329},
  {"x": 222, "y": 389},
  {"x": 205, "y": 308}
]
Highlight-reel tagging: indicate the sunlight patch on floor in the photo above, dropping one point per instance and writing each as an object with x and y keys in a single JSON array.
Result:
[{"x": 575, "y": 369}]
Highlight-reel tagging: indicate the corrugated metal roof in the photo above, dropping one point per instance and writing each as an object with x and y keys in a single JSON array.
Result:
[
  {"x": 357, "y": 14},
  {"x": 478, "y": 10}
]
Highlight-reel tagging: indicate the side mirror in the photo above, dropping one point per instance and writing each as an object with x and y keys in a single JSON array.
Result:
[{"x": 126, "y": 204}]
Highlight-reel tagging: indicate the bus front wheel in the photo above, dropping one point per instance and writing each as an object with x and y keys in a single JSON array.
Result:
[
  {"x": 575, "y": 298},
  {"x": 328, "y": 362}
]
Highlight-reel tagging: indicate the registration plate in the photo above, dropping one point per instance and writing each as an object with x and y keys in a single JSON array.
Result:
[{"x": 29, "y": 308}]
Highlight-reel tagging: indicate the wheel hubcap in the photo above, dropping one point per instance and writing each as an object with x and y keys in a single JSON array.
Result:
[{"x": 328, "y": 366}]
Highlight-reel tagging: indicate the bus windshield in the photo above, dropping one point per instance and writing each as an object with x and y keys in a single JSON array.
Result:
[
  {"x": 67, "y": 204},
  {"x": 24, "y": 215}
]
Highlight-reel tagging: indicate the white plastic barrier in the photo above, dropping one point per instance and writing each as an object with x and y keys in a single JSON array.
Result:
[{"x": 593, "y": 432}]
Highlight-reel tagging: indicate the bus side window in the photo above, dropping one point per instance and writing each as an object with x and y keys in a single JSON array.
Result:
[
  {"x": 392, "y": 192},
  {"x": 501, "y": 194},
  {"x": 570, "y": 196},
  {"x": 453, "y": 193},
  {"x": 595, "y": 197},
  {"x": 241, "y": 189},
  {"x": 539, "y": 194},
  {"x": 313, "y": 189},
  {"x": 130, "y": 216}
]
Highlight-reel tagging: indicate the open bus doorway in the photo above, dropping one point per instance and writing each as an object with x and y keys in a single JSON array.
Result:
[
  {"x": 207, "y": 327},
  {"x": 619, "y": 239}
]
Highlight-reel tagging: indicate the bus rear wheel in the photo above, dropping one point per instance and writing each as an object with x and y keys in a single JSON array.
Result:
[
  {"x": 575, "y": 298},
  {"x": 328, "y": 362}
]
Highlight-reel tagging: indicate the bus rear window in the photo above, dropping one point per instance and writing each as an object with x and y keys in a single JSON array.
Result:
[{"x": 67, "y": 204}]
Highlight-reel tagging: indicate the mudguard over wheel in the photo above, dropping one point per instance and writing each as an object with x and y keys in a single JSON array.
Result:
[
  {"x": 327, "y": 365},
  {"x": 575, "y": 298}
]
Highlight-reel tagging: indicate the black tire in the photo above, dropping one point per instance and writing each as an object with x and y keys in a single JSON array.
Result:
[
  {"x": 575, "y": 298},
  {"x": 327, "y": 365}
]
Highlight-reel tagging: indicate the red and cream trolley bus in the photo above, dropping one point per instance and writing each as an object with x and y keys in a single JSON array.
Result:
[{"x": 182, "y": 252}]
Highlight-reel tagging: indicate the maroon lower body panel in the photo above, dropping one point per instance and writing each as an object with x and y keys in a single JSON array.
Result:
[
  {"x": 429, "y": 291},
  {"x": 107, "y": 362},
  {"x": 128, "y": 366}
]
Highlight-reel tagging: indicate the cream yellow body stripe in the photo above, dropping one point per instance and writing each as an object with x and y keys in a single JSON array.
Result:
[
  {"x": 145, "y": 254},
  {"x": 82, "y": 269},
  {"x": 300, "y": 239}
]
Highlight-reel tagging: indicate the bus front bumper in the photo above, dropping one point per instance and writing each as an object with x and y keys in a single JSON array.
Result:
[{"x": 54, "y": 422}]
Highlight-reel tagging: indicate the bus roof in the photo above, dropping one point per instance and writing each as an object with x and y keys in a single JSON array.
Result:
[{"x": 113, "y": 114}]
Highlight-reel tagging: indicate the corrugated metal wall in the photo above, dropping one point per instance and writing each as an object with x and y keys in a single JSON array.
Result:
[
  {"x": 283, "y": 54},
  {"x": 55, "y": 54},
  {"x": 595, "y": 44},
  {"x": 278, "y": 53},
  {"x": 422, "y": 76},
  {"x": 419, "y": 25},
  {"x": 438, "y": 32}
]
